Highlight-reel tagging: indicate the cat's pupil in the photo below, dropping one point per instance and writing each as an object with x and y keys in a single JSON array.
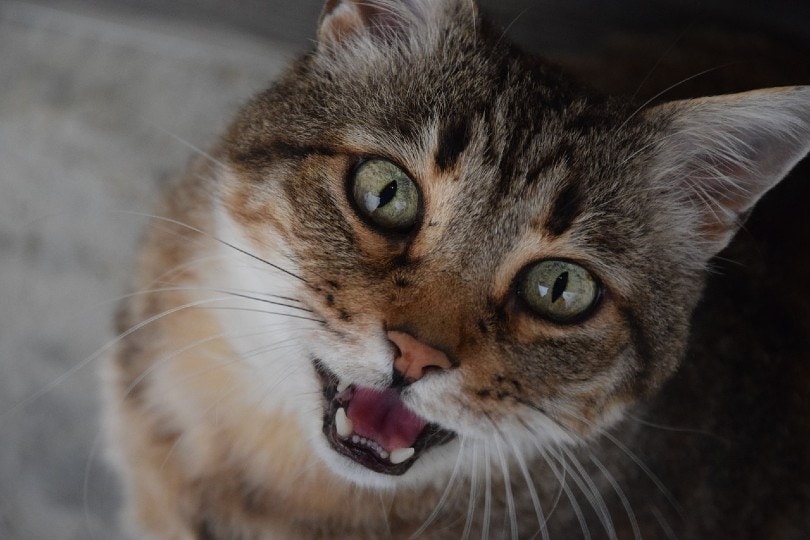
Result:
[
  {"x": 388, "y": 193},
  {"x": 560, "y": 284}
]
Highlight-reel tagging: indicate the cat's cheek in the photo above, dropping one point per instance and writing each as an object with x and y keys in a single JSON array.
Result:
[
  {"x": 255, "y": 210},
  {"x": 586, "y": 408},
  {"x": 267, "y": 337}
]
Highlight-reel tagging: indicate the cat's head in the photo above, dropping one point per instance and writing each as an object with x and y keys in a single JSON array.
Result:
[{"x": 481, "y": 254}]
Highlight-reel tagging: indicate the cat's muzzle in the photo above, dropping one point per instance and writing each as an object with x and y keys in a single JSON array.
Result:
[{"x": 373, "y": 427}]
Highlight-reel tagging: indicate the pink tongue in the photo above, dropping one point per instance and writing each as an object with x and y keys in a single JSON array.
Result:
[{"x": 382, "y": 417}]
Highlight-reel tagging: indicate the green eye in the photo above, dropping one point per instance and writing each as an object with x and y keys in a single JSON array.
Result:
[
  {"x": 385, "y": 194},
  {"x": 559, "y": 290}
]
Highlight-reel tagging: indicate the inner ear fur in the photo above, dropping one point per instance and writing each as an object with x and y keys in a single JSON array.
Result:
[{"x": 717, "y": 156}]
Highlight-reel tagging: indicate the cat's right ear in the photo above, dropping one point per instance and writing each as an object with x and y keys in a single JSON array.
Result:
[{"x": 345, "y": 20}]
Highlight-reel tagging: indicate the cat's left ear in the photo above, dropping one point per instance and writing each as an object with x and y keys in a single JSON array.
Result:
[
  {"x": 344, "y": 20},
  {"x": 719, "y": 155}
]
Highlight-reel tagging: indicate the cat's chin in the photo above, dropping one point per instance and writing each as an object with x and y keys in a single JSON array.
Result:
[{"x": 373, "y": 429}]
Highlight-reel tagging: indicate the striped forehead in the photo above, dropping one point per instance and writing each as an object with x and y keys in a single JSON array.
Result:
[{"x": 527, "y": 169}]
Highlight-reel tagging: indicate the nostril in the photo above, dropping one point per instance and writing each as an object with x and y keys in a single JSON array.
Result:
[
  {"x": 415, "y": 358},
  {"x": 398, "y": 380},
  {"x": 432, "y": 368}
]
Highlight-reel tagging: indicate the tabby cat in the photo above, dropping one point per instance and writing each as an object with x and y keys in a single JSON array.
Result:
[{"x": 427, "y": 285}]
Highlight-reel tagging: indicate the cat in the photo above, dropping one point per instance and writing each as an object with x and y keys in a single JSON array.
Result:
[{"x": 428, "y": 285}]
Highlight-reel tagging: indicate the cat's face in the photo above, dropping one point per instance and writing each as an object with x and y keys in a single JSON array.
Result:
[{"x": 479, "y": 251}]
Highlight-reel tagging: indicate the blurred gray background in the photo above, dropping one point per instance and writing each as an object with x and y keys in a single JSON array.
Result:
[{"x": 100, "y": 102}]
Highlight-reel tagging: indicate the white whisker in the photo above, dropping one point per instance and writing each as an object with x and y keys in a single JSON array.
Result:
[
  {"x": 223, "y": 242},
  {"x": 583, "y": 524},
  {"x": 662, "y": 522},
  {"x": 631, "y": 515},
  {"x": 643, "y": 466},
  {"x": 591, "y": 492},
  {"x": 524, "y": 470},
  {"x": 472, "y": 503},
  {"x": 507, "y": 485},
  {"x": 185, "y": 143},
  {"x": 665, "y": 90},
  {"x": 445, "y": 494},
  {"x": 487, "y": 492},
  {"x": 98, "y": 354}
]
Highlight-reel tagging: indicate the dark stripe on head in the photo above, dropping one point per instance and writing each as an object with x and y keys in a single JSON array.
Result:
[
  {"x": 552, "y": 159},
  {"x": 454, "y": 136},
  {"x": 265, "y": 154},
  {"x": 204, "y": 531},
  {"x": 512, "y": 164},
  {"x": 565, "y": 209}
]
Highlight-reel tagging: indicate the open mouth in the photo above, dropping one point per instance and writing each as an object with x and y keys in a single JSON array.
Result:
[{"x": 374, "y": 427}]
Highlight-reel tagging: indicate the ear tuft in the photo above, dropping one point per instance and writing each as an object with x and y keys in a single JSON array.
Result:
[
  {"x": 344, "y": 20},
  {"x": 719, "y": 155}
]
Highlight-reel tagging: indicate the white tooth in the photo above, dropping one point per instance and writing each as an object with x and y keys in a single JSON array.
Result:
[
  {"x": 355, "y": 439},
  {"x": 401, "y": 454},
  {"x": 343, "y": 424},
  {"x": 342, "y": 386},
  {"x": 383, "y": 454}
]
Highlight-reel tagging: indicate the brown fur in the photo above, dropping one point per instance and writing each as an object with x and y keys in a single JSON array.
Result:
[{"x": 515, "y": 163}]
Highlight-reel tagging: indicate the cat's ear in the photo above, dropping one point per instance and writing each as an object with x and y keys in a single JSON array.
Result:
[
  {"x": 344, "y": 20},
  {"x": 719, "y": 155}
]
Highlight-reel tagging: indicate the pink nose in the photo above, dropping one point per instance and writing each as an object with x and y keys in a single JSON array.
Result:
[{"x": 414, "y": 358}]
